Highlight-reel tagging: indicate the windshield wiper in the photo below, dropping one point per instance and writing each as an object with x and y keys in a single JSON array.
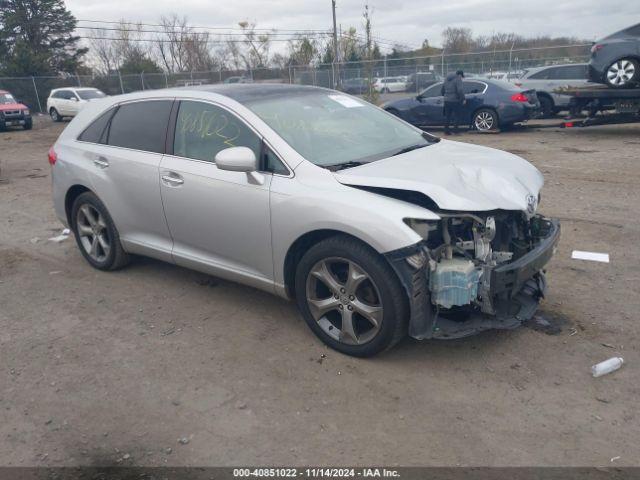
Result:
[
  {"x": 410, "y": 148},
  {"x": 341, "y": 166}
]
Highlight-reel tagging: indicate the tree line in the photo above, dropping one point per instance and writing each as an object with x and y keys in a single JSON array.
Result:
[{"x": 39, "y": 37}]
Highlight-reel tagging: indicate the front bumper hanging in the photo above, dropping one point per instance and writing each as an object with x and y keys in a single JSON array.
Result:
[{"x": 515, "y": 289}]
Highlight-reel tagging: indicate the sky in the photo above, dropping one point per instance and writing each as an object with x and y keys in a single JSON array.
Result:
[{"x": 407, "y": 22}]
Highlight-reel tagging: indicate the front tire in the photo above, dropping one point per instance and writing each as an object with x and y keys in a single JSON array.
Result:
[
  {"x": 28, "y": 125},
  {"x": 55, "y": 116},
  {"x": 485, "y": 120},
  {"x": 350, "y": 297},
  {"x": 622, "y": 73},
  {"x": 96, "y": 234}
]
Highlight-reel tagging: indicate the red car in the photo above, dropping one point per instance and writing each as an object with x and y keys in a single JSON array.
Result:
[{"x": 13, "y": 113}]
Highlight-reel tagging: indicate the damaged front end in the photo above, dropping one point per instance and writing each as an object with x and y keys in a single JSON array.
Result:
[{"x": 475, "y": 271}]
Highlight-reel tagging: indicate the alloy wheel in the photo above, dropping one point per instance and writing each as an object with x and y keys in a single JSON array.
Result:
[
  {"x": 621, "y": 72},
  {"x": 484, "y": 121},
  {"x": 344, "y": 300},
  {"x": 93, "y": 232}
]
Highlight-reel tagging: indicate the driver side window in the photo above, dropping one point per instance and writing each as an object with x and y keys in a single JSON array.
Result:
[{"x": 202, "y": 130}]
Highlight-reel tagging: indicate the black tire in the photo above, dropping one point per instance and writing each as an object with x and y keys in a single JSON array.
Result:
[
  {"x": 393, "y": 300},
  {"x": 55, "y": 116},
  {"x": 28, "y": 125},
  {"x": 630, "y": 64},
  {"x": 547, "y": 107},
  {"x": 117, "y": 257},
  {"x": 384, "y": 90},
  {"x": 485, "y": 113}
]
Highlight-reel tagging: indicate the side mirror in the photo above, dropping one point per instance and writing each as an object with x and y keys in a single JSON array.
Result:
[{"x": 237, "y": 159}]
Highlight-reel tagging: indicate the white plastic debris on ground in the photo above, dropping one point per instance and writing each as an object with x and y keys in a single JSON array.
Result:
[
  {"x": 592, "y": 256},
  {"x": 60, "y": 238},
  {"x": 608, "y": 366}
]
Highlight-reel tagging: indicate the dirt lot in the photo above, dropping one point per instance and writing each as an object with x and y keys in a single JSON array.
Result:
[{"x": 99, "y": 368}]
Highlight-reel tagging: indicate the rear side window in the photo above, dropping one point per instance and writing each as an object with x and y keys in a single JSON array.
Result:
[
  {"x": 141, "y": 125},
  {"x": 473, "y": 87},
  {"x": 95, "y": 132},
  {"x": 541, "y": 75},
  {"x": 202, "y": 130},
  {"x": 574, "y": 72},
  {"x": 433, "y": 91}
]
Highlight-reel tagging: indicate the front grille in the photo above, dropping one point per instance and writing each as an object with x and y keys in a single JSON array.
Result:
[{"x": 12, "y": 113}]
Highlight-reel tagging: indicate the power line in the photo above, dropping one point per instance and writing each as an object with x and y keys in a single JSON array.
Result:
[
  {"x": 199, "y": 27},
  {"x": 187, "y": 40},
  {"x": 190, "y": 31}
]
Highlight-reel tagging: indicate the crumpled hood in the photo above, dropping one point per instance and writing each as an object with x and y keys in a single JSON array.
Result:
[
  {"x": 12, "y": 106},
  {"x": 456, "y": 176}
]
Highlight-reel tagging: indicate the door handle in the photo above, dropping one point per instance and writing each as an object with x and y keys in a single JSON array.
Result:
[
  {"x": 101, "y": 162},
  {"x": 172, "y": 179}
]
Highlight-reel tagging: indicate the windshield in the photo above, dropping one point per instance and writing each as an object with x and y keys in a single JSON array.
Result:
[
  {"x": 328, "y": 128},
  {"x": 89, "y": 94},
  {"x": 6, "y": 98}
]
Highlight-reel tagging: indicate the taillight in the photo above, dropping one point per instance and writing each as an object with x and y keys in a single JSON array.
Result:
[
  {"x": 596, "y": 47},
  {"x": 52, "y": 156},
  {"x": 519, "y": 97}
]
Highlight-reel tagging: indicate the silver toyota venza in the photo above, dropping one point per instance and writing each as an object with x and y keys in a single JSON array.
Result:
[{"x": 376, "y": 228}]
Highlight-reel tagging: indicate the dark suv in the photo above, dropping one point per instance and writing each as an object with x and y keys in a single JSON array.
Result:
[
  {"x": 615, "y": 60},
  {"x": 13, "y": 113}
]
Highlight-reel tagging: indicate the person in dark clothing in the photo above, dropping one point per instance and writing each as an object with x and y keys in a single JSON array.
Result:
[{"x": 453, "y": 93}]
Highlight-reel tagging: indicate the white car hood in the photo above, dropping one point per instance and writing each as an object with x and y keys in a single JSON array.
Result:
[{"x": 456, "y": 176}]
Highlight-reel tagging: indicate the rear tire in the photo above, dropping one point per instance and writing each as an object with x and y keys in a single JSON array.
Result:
[
  {"x": 485, "y": 120},
  {"x": 622, "y": 73},
  {"x": 547, "y": 107},
  {"x": 359, "y": 318},
  {"x": 55, "y": 116},
  {"x": 96, "y": 234}
]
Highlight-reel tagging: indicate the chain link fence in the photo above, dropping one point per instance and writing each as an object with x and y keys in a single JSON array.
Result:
[{"x": 33, "y": 91}]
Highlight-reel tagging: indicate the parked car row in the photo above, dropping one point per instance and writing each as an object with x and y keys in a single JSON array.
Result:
[{"x": 402, "y": 83}]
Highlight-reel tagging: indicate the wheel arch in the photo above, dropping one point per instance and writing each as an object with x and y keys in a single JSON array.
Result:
[
  {"x": 547, "y": 96},
  {"x": 301, "y": 245},
  {"x": 72, "y": 193}
]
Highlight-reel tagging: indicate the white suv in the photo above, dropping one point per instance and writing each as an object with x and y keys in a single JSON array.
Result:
[
  {"x": 390, "y": 84},
  {"x": 67, "y": 102}
]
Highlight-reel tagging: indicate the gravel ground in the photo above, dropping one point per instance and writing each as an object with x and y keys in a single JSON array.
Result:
[{"x": 156, "y": 364}]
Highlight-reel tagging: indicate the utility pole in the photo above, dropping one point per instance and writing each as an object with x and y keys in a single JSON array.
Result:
[{"x": 336, "y": 60}]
